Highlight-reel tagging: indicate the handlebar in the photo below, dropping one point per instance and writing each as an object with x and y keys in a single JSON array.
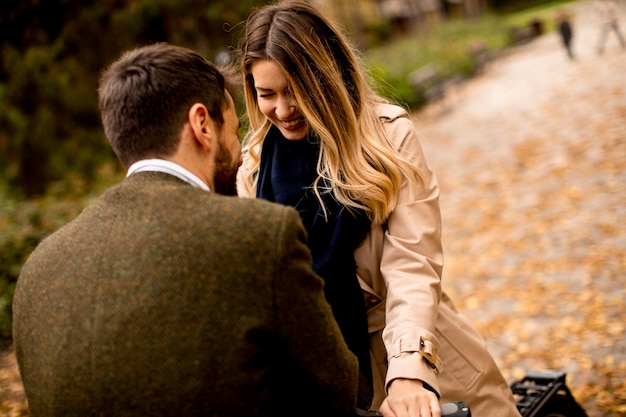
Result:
[{"x": 454, "y": 409}]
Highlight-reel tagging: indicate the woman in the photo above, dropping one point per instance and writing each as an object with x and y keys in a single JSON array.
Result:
[{"x": 324, "y": 142}]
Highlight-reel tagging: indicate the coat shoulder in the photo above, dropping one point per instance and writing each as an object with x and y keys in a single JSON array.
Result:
[{"x": 390, "y": 112}]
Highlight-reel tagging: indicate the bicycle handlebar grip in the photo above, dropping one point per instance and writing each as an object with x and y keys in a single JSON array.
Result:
[{"x": 455, "y": 409}]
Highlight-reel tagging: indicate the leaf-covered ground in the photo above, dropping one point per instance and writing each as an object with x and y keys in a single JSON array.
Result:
[{"x": 531, "y": 157}]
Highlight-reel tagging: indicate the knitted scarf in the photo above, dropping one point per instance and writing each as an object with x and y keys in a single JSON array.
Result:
[{"x": 286, "y": 174}]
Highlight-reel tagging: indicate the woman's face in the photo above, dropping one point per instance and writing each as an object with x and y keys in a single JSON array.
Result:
[{"x": 276, "y": 100}]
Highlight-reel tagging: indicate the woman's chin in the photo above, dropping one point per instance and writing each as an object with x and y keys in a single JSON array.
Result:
[{"x": 298, "y": 133}]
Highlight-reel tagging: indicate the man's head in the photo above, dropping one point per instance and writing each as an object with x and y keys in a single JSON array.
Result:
[
  {"x": 151, "y": 94},
  {"x": 145, "y": 96}
]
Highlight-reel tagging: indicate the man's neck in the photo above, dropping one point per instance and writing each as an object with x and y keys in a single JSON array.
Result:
[{"x": 168, "y": 167}]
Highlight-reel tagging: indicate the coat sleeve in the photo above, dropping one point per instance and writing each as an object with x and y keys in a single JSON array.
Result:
[
  {"x": 315, "y": 348},
  {"x": 411, "y": 266}
]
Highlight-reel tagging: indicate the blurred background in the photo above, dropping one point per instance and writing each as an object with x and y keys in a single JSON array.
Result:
[
  {"x": 490, "y": 87},
  {"x": 52, "y": 52}
]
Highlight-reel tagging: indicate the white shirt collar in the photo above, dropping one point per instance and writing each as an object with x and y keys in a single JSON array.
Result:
[{"x": 168, "y": 167}]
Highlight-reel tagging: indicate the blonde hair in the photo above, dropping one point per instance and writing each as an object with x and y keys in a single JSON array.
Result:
[{"x": 332, "y": 92}]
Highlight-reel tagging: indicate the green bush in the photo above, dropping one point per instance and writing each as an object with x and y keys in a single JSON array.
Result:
[{"x": 447, "y": 47}]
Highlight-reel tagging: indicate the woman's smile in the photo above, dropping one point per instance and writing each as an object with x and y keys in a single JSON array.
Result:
[{"x": 276, "y": 100}]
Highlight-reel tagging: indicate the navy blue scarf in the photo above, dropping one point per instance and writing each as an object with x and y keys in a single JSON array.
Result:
[{"x": 286, "y": 175}]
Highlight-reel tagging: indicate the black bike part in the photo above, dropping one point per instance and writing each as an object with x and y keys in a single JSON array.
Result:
[
  {"x": 455, "y": 409},
  {"x": 544, "y": 394}
]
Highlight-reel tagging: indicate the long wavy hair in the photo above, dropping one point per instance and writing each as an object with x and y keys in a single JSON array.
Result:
[{"x": 333, "y": 93}]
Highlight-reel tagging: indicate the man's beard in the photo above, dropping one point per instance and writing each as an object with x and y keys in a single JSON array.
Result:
[{"x": 225, "y": 171}]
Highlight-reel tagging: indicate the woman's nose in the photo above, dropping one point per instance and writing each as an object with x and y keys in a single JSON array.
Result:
[{"x": 285, "y": 108}]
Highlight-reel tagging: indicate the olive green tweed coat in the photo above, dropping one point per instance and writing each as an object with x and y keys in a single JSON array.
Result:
[{"x": 161, "y": 299}]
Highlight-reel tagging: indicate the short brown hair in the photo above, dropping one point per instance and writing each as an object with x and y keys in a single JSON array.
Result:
[{"x": 146, "y": 94}]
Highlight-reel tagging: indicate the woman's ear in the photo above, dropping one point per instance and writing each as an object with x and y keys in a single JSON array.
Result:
[{"x": 202, "y": 125}]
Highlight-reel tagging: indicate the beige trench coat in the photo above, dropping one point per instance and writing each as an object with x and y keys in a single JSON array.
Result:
[{"x": 415, "y": 331}]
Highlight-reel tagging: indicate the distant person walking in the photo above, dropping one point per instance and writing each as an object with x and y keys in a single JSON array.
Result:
[
  {"x": 608, "y": 12},
  {"x": 565, "y": 30}
]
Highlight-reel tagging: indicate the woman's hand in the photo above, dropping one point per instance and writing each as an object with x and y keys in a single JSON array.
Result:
[{"x": 409, "y": 398}]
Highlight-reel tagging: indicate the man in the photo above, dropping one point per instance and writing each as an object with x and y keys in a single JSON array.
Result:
[
  {"x": 565, "y": 31},
  {"x": 609, "y": 20},
  {"x": 165, "y": 297}
]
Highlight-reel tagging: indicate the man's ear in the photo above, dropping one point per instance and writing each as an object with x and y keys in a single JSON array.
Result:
[{"x": 202, "y": 125}]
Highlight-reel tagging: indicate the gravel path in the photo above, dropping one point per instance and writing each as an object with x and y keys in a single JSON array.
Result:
[{"x": 531, "y": 157}]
